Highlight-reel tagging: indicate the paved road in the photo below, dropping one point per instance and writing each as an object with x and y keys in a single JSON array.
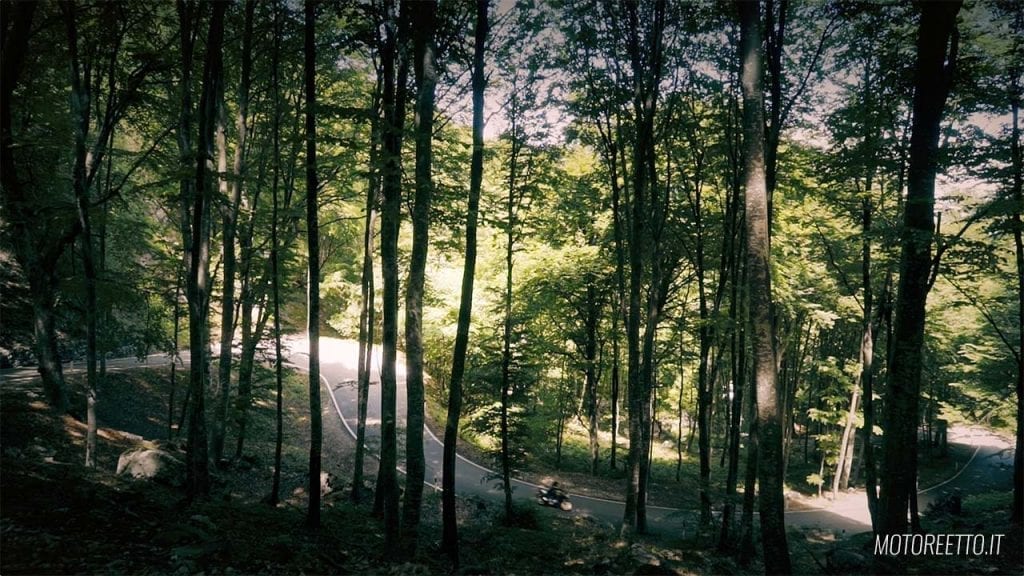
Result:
[{"x": 990, "y": 467}]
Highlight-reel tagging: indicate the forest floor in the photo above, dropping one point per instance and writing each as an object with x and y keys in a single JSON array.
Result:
[{"x": 58, "y": 517}]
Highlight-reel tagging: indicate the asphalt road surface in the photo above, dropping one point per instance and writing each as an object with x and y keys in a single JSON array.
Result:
[{"x": 989, "y": 468}]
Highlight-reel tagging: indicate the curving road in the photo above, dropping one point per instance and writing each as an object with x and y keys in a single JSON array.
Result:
[{"x": 989, "y": 468}]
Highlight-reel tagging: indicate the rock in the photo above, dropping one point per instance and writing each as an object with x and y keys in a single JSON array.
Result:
[
  {"x": 643, "y": 557},
  {"x": 151, "y": 464}
]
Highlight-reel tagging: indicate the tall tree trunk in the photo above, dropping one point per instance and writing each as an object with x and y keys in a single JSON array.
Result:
[
  {"x": 450, "y": 536},
  {"x": 230, "y": 225},
  {"x": 174, "y": 356},
  {"x": 81, "y": 95},
  {"x": 620, "y": 298},
  {"x": 275, "y": 258},
  {"x": 506, "y": 348},
  {"x": 704, "y": 396},
  {"x": 425, "y": 72},
  {"x": 758, "y": 263},
  {"x": 256, "y": 287},
  {"x": 738, "y": 369},
  {"x": 937, "y": 45},
  {"x": 644, "y": 43},
  {"x": 367, "y": 312},
  {"x": 313, "y": 249},
  {"x": 1017, "y": 159},
  {"x": 679, "y": 405},
  {"x": 590, "y": 351},
  {"x": 198, "y": 292},
  {"x": 393, "y": 101}
]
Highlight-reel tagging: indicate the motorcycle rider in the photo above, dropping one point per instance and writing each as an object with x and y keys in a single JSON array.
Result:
[{"x": 553, "y": 493}]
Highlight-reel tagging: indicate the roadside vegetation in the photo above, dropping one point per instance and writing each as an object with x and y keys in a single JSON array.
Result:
[{"x": 60, "y": 517}]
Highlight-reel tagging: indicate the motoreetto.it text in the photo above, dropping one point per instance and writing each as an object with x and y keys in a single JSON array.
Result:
[{"x": 938, "y": 544}]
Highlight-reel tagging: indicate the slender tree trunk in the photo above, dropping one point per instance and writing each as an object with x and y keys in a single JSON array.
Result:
[
  {"x": 198, "y": 293},
  {"x": 846, "y": 445},
  {"x": 679, "y": 405},
  {"x": 737, "y": 353},
  {"x": 81, "y": 95},
  {"x": 590, "y": 351},
  {"x": 393, "y": 101},
  {"x": 174, "y": 357},
  {"x": 230, "y": 225},
  {"x": 936, "y": 29},
  {"x": 425, "y": 72},
  {"x": 275, "y": 260},
  {"x": 450, "y": 535},
  {"x": 704, "y": 396},
  {"x": 506, "y": 349},
  {"x": 644, "y": 43},
  {"x": 367, "y": 312},
  {"x": 620, "y": 301},
  {"x": 1017, "y": 155},
  {"x": 867, "y": 372},
  {"x": 313, "y": 249},
  {"x": 758, "y": 264},
  {"x": 221, "y": 385}
]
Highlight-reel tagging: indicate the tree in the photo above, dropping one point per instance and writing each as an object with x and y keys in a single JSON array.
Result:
[
  {"x": 450, "y": 536},
  {"x": 424, "y": 14},
  {"x": 229, "y": 217},
  {"x": 36, "y": 249},
  {"x": 367, "y": 311},
  {"x": 196, "y": 201},
  {"x": 89, "y": 158},
  {"x": 80, "y": 104},
  {"x": 393, "y": 103},
  {"x": 758, "y": 263},
  {"x": 645, "y": 45},
  {"x": 275, "y": 268},
  {"x": 936, "y": 59},
  {"x": 313, "y": 249}
]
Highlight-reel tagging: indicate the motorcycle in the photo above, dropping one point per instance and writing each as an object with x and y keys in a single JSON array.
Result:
[{"x": 554, "y": 497}]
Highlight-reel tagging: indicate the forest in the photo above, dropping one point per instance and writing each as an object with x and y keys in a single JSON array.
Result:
[{"x": 745, "y": 278}]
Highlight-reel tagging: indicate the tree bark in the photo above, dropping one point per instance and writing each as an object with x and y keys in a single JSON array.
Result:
[
  {"x": 230, "y": 225},
  {"x": 645, "y": 44},
  {"x": 367, "y": 312},
  {"x": 425, "y": 73},
  {"x": 591, "y": 319},
  {"x": 738, "y": 366},
  {"x": 506, "y": 347},
  {"x": 1017, "y": 161},
  {"x": 275, "y": 257},
  {"x": 81, "y": 96},
  {"x": 937, "y": 42},
  {"x": 846, "y": 445},
  {"x": 758, "y": 263},
  {"x": 450, "y": 536},
  {"x": 198, "y": 254},
  {"x": 393, "y": 101},
  {"x": 313, "y": 249}
]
